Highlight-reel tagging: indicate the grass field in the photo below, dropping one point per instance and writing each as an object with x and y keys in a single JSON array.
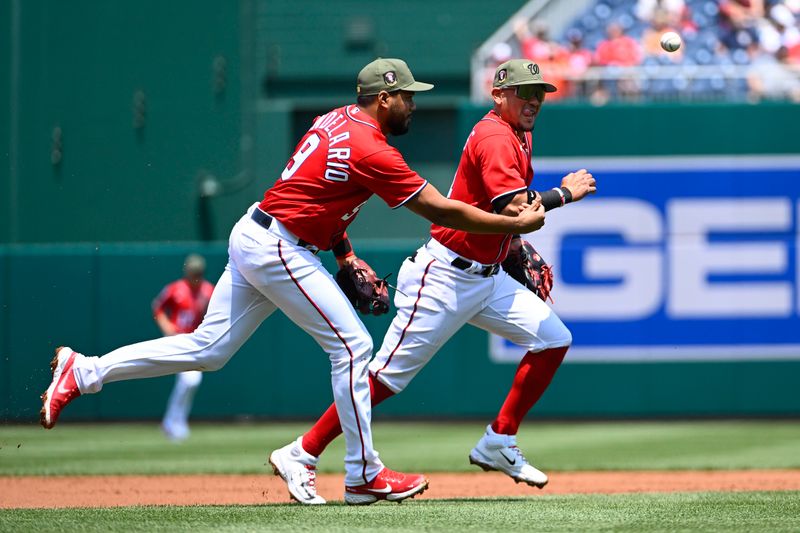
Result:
[
  {"x": 756, "y": 511},
  {"x": 141, "y": 449}
]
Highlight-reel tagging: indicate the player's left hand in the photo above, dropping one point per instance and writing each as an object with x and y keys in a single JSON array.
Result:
[
  {"x": 530, "y": 217},
  {"x": 580, "y": 183},
  {"x": 366, "y": 291}
]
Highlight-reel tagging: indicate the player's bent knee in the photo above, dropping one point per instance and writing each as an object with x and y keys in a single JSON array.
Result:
[
  {"x": 557, "y": 335},
  {"x": 214, "y": 358},
  {"x": 356, "y": 351},
  {"x": 361, "y": 345},
  {"x": 214, "y": 348},
  {"x": 565, "y": 339},
  {"x": 556, "y": 338}
]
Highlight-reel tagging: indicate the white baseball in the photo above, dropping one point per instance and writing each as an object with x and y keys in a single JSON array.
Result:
[{"x": 670, "y": 41}]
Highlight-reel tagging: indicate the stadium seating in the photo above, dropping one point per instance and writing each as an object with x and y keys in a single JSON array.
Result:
[{"x": 720, "y": 57}]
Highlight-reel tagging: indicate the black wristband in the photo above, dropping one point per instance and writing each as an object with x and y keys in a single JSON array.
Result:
[
  {"x": 556, "y": 197},
  {"x": 342, "y": 248}
]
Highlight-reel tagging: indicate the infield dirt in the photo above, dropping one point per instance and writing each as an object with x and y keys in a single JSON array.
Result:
[{"x": 111, "y": 491}]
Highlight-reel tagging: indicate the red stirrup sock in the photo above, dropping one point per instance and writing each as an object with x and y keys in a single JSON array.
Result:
[
  {"x": 328, "y": 427},
  {"x": 534, "y": 374}
]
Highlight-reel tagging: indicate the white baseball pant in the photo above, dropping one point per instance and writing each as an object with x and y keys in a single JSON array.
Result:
[
  {"x": 179, "y": 405},
  {"x": 435, "y": 299},
  {"x": 266, "y": 271}
]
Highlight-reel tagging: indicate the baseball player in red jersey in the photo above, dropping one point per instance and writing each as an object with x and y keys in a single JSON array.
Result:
[
  {"x": 342, "y": 160},
  {"x": 456, "y": 279},
  {"x": 179, "y": 308}
]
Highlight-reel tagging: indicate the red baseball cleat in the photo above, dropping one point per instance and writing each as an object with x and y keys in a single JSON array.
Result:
[
  {"x": 387, "y": 485},
  {"x": 63, "y": 388}
]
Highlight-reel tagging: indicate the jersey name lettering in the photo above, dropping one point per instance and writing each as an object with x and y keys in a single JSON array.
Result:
[{"x": 336, "y": 165}]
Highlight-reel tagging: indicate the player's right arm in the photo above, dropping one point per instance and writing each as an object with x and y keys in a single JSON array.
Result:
[
  {"x": 166, "y": 327},
  {"x": 430, "y": 204},
  {"x": 574, "y": 187},
  {"x": 159, "y": 312}
]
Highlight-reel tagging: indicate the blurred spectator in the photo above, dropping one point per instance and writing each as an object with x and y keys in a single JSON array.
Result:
[
  {"x": 686, "y": 24},
  {"x": 769, "y": 79},
  {"x": 778, "y": 29},
  {"x": 793, "y": 6},
  {"x": 547, "y": 53},
  {"x": 501, "y": 52},
  {"x": 647, "y": 10},
  {"x": 651, "y": 37},
  {"x": 793, "y": 56},
  {"x": 536, "y": 45},
  {"x": 578, "y": 59},
  {"x": 618, "y": 49},
  {"x": 737, "y": 22},
  {"x": 764, "y": 34}
]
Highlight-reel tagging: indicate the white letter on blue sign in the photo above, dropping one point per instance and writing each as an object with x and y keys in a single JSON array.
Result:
[
  {"x": 693, "y": 259},
  {"x": 637, "y": 263}
]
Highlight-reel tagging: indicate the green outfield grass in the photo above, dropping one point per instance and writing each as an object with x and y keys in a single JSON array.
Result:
[
  {"x": 749, "y": 511},
  {"x": 428, "y": 447}
]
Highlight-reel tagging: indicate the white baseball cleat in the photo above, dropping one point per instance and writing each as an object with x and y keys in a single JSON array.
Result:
[
  {"x": 500, "y": 453},
  {"x": 298, "y": 469},
  {"x": 176, "y": 432}
]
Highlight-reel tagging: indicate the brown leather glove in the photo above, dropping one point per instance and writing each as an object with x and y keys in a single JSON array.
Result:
[
  {"x": 525, "y": 265},
  {"x": 366, "y": 291}
]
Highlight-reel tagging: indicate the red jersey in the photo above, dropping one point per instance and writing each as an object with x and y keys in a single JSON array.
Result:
[
  {"x": 184, "y": 307},
  {"x": 342, "y": 161},
  {"x": 493, "y": 163}
]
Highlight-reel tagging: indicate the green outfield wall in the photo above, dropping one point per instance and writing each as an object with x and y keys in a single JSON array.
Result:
[
  {"x": 97, "y": 297},
  {"x": 141, "y": 122},
  {"x": 149, "y": 190}
]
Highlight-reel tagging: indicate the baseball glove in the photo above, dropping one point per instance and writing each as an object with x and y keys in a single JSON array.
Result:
[
  {"x": 365, "y": 290},
  {"x": 525, "y": 265}
]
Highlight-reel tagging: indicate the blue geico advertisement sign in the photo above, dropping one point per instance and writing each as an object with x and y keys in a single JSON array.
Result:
[{"x": 675, "y": 259}]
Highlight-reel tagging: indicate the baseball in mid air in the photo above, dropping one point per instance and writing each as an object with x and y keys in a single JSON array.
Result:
[{"x": 670, "y": 41}]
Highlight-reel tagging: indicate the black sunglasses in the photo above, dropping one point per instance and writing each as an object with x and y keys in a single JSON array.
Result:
[{"x": 526, "y": 92}]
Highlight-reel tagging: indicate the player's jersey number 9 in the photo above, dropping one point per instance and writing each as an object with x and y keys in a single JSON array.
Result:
[{"x": 311, "y": 143}]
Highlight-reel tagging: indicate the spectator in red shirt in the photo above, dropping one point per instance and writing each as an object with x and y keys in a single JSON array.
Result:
[
  {"x": 619, "y": 50},
  {"x": 577, "y": 62},
  {"x": 538, "y": 46},
  {"x": 545, "y": 52}
]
